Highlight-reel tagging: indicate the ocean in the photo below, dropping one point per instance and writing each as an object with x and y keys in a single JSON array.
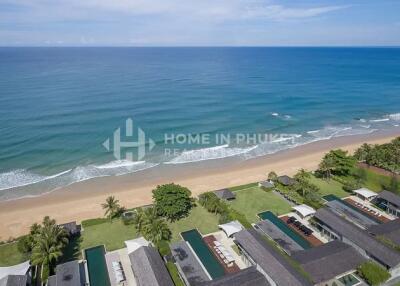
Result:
[{"x": 60, "y": 107}]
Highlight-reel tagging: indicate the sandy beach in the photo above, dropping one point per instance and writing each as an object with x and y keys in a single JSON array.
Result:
[{"x": 82, "y": 200}]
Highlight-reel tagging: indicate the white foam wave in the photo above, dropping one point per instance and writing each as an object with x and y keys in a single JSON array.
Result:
[
  {"x": 212, "y": 153},
  {"x": 380, "y": 120},
  {"x": 21, "y": 178},
  {"x": 394, "y": 116}
]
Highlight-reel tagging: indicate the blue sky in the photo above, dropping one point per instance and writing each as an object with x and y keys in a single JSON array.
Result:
[{"x": 199, "y": 22}]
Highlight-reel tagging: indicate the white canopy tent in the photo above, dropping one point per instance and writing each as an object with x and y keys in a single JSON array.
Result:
[
  {"x": 136, "y": 243},
  {"x": 19, "y": 269},
  {"x": 365, "y": 194},
  {"x": 231, "y": 228},
  {"x": 304, "y": 210}
]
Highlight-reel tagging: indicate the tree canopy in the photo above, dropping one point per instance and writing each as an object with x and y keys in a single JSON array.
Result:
[
  {"x": 386, "y": 156},
  {"x": 336, "y": 162},
  {"x": 172, "y": 201},
  {"x": 151, "y": 226}
]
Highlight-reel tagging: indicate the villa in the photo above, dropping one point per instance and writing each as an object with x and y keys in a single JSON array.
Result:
[
  {"x": 389, "y": 231},
  {"x": 390, "y": 202},
  {"x": 68, "y": 274},
  {"x": 336, "y": 227},
  {"x": 225, "y": 194}
]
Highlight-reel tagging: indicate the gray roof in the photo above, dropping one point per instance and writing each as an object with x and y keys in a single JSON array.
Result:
[
  {"x": 68, "y": 274},
  {"x": 13, "y": 280},
  {"x": 149, "y": 268},
  {"x": 359, "y": 237},
  {"x": 247, "y": 277},
  {"x": 390, "y": 197},
  {"x": 274, "y": 232},
  {"x": 286, "y": 180},
  {"x": 266, "y": 184},
  {"x": 71, "y": 227},
  {"x": 389, "y": 230},
  {"x": 52, "y": 281},
  {"x": 350, "y": 213},
  {"x": 188, "y": 263},
  {"x": 329, "y": 260},
  {"x": 225, "y": 194},
  {"x": 269, "y": 259}
]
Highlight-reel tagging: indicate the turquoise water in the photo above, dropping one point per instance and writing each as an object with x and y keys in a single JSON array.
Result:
[
  {"x": 287, "y": 230},
  {"x": 206, "y": 257},
  {"x": 97, "y": 268},
  {"x": 59, "y": 105}
]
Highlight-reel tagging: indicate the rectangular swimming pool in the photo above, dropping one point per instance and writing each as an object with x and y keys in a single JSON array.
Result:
[
  {"x": 97, "y": 268},
  {"x": 193, "y": 237},
  {"x": 287, "y": 230}
]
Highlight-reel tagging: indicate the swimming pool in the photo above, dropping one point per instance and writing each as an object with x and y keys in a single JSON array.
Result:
[
  {"x": 96, "y": 264},
  {"x": 193, "y": 237},
  {"x": 287, "y": 230}
]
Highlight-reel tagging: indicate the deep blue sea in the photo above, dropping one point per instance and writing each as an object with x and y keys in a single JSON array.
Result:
[{"x": 59, "y": 105}]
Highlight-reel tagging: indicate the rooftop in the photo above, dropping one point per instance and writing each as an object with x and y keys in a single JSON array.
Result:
[
  {"x": 149, "y": 268},
  {"x": 366, "y": 193},
  {"x": 269, "y": 259},
  {"x": 67, "y": 274},
  {"x": 225, "y": 194},
  {"x": 246, "y": 277},
  {"x": 188, "y": 263},
  {"x": 389, "y": 230},
  {"x": 266, "y": 184},
  {"x": 359, "y": 237},
  {"x": 390, "y": 197},
  {"x": 286, "y": 180},
  {"x": 304, "y": 210},
  {"x": 329, "y": 260},
  {"x": 231, "y": 228},
  {"x": 13, "y": 280}
]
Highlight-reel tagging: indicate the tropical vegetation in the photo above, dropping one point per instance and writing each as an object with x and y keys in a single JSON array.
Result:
[
  {"x": 112, "y": 207},
  {"x": 373, "y": 273},
  {"x": 386, "y": 156}
]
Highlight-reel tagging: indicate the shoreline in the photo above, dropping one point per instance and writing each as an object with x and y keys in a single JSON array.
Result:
[{"x": 82, "y": 200}]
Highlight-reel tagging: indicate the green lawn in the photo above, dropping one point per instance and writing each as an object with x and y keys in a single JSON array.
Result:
[
  {"x": 254, "y": 200},
  {"x": 328, "y": 187},
  {"x": 112, "y": 234},
  {"x": 198, "y": 218},
  {"x": 9, "y": 255},
  {"x": 376, "y": 182}
]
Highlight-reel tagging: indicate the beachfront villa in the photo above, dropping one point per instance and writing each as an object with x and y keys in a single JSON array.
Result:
[
  {"x": 390, "y": 202},
  {"x": 336, "y": 227}
]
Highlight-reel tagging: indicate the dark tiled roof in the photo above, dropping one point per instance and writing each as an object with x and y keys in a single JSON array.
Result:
[
  {"x": 13, "y": 280},
  {"x": 71, "y": 227},
  {"x": 149, "y": 268},
  {"x": 359, "y": 237},
  {"x": 329, "y": 260},
  {"x": 286, "y": 180},
  {"x": 269, "y": 259},
  {"x": 225, "y": 194},
  {"x": 188, "y": 263},
  {"x": 389, "y": 230},
  {"x": 390, "y": 197},
  {"x": 68, "y": 274},
  {"x": 247, "y": 277}
]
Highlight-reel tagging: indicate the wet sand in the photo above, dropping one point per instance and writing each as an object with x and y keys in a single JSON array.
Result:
[{"x": 83, "y": 200}]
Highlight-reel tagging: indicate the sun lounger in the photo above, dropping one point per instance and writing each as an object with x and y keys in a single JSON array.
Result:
[{"x": 217, "y": 243}]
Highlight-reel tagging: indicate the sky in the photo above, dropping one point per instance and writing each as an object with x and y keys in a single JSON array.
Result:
[{"x": 199, "y": 23}]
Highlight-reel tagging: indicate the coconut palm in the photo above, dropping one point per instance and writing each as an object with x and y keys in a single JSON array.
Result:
[
  {"x": 156, "y": 231},
  {"x": 272, "y": 176},
  {"x": 111, "y": 207},
  {"x": 48, "y": 244}
]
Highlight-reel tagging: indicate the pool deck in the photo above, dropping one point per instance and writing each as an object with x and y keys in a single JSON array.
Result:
[
  {"x": 311, "y": 239},
  {"x": 381, "y": 218},
  {"x": 209, "y": 240}
]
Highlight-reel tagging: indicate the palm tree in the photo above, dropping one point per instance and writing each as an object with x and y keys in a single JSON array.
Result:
[
  {"x": 327, "y": 165},
  {"x": 138, "y": 219},
  {"x": 48, "y": 244},
  {"x": 156, "y": 231},
  {"x": 111, "y": 207}
]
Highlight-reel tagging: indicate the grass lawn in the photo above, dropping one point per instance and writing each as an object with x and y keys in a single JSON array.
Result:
[
  {"x": 198, "y": 218},
  {"x": 254, "y": 200},
  {"x": 9, "y": 255},
  {"x": 376, "y": 182},
  {"x": 112, "y": 234},
  {"x": 328, "y": 187}
]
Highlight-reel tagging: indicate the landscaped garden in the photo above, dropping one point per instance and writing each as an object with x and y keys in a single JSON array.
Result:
[
  {"x": 328, "y": 187},
  {"x": 253, "y": 200},
  {"x": 9, "y": 255}
]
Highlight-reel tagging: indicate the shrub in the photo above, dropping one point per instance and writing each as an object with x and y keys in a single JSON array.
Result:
[
  {"x": 163, "y": 248},
  {"x": 173, "y": 271},
  {"x": 373, "y": 273}
]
